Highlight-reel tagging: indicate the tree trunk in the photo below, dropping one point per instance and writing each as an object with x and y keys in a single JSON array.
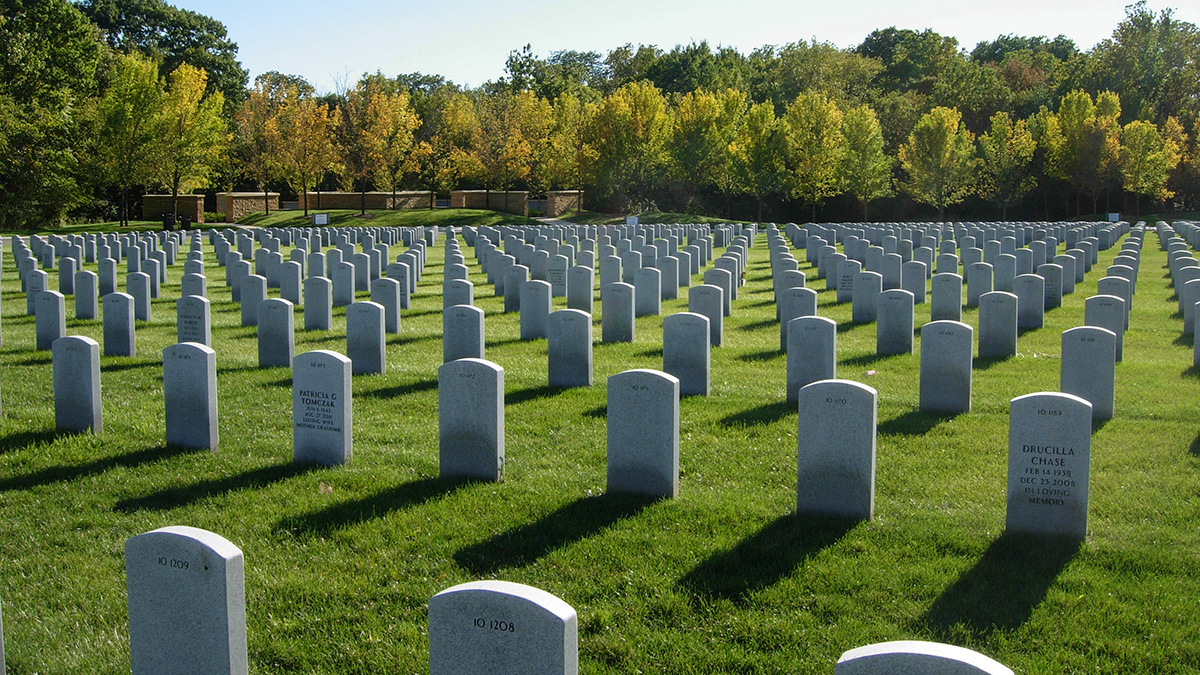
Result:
[
  {"x": 267, "y": 199},
  {"x": 393, "y": 196},
  {"x": 304, "y": 189},
  {"x": 362, "y": 197},
  {"x": 866, "y": 217},
  {"x": 124, "y": 206},
  {"x": 758, "y": 199}
]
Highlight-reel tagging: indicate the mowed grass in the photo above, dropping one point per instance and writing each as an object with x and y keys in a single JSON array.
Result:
[{"x": 341, "y": 562}]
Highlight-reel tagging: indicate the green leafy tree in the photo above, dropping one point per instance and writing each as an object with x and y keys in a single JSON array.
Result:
[
  {"x": 356, "y": 137},
  {"x": 191, "y": 132},
  {"x": 48, "y": 59},
  {"x": 256, "y": 137},
  {"x": 760, "y": 154},
  {"x": 1007, "y": 152},
  {"x": 939, "y": 159},
  {"x": 1147, "y": 159},
  {"x": 814, "y": 148},
  {"x": 394, "y": 122},
  {"x": 628, "y": 136},
  {"x": 704, "y": 130},
  {"x": 1085, "y": 145},
  {"x": 172, "y": 36},
  {"x": 126, "y": 124},
  {"x": 783, "y": 73},
  {"x": 866, "y": 171},
  {"x": 305, "y": 149},
  {"x": 566, "y": 154},
  {"x": 451, "y": 152}
]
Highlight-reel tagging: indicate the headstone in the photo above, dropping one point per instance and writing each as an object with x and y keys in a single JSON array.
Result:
[
  {"x": 76, "y": 374},
  {"x": 385, "y": 292},
  {"x": 193, "y": 322},
  {"x": 946, "y": 290},
  {"x": 36, "y": 282},
  {"x": 365, "y": 343},
  {"x": 912, "y": 657},
  {"x": 138, "y": 285},
  {"x": 708, "y": 301},
  {"x": 462, "y": 333},
  {"x": 686, "y": 352},
  {"x": 1119, "y": 287},
  {"x": 343, "y": 284},
  {"x": 556, "y": 274},
  {"x": 580, "y": 281},
  {"x": 811, "y": 353},
  {"x": 1088, "y": 367},
  {"x": 50, "y": 321},
  {"x": 912, "y": 279},
  {"x": 254, "y": 292},
  {"x": 946, "y": 350},
  {"x": 86, "y": 305},
  {"x": 617, "y": 316},
  {"x": 322, "y": 409},
  {"x": 867, "y": 288},
  {"x": 190, "y": 395},
  {"x": 514, "y": 277},
  {"x": 1031, "y": 299},
  {"x": 643, "y": 433},
  {"x": 1049, "y": 457},
  {"x": 501, "y": 628},
  {"x": 836, "y": 449},
  {"x": 1106, "y": 311},
  {"x": 979, "y": 281},
  {"x": 318, "y": 303},
  {"x": 997, "y": 325},
  {"x": 536, "y": 305},
  {"x": 1053, "y": 275},
  {"x": 569, "y": 347},
  {"x": 894, "y": 323},
  {"x": 118, "y": 325},
  {"x": 647, "y": 292},
  {"x": 187, "y": 603},
  {"x": 276, "y": 333},
  {"x": 471, "y": 419}
]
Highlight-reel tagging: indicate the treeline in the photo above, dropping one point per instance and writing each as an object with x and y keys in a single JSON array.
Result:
[{"x": 103, "y": 99}]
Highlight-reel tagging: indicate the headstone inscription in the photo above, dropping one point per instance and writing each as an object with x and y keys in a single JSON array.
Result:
[
  {"x": 1049, "y": 458},
  {"x": 187, "y": 603},
  {"x": 946, "y": 350},
  {"x": 501, "y": 628},
  {"x": 643, "y": 433},
  {"x": 471, "y": 419},
  {"x": 190, "y": 395},
  {"x": 1088, "y": 367},
  {"x": 76, "y": 373},
  {"x": 322, "y": 409},
  {"x": 835, "y": 472}
]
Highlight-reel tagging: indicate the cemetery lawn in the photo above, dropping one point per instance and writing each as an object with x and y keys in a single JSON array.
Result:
[
  {"x": 341, "y": 562},
  {"x": 645, "y": 218}
]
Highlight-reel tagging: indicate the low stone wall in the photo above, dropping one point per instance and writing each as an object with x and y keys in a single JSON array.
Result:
[
  {"x": 517, "y": 200},
  {"x": 561, "y": 201},
  {"x": 238, "y": 205},
  {"x": 155, "y": 206},
  {"x": 374, "y": 200}
]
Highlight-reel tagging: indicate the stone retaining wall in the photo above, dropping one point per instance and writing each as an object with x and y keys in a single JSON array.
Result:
[{"x": 155, "y": 206}]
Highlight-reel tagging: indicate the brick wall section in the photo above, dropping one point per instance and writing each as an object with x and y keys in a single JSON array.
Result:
[
  {"x": 238, "y": 205},
  {"x": 154, "y": 206},
  {"x": 561, "y": 201},
  {"x": 374, "y": 200},
  {"x": 518, "y": 200}
]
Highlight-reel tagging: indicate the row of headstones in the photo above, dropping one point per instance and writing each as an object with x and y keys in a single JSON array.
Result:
[
  {"x": 1184, "y": 269},
  {"x": 496, "y": 627},
  {"x": 892, "y": 236}
]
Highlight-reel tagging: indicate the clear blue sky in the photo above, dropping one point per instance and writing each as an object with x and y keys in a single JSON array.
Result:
[{"x": 468, "y": 41}]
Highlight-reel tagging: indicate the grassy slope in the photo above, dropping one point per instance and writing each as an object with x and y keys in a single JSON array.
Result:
[{"x": 341, "y": 562}]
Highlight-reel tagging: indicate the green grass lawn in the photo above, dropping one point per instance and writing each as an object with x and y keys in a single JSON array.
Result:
[{"x": 341, "y": 562}]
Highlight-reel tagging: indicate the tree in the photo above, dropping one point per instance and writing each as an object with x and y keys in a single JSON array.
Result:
[
  {"x": 911, "y": 60},
  {"x": 814, "y": 148},
  {"x": 705, "y": 128},
  {"x": 126, "y": 123},
  {"x": 866, "y": 171},
  {"x": 566, "y": 154},
  {"x": 759, "y": 154},
  {"x": 451, "y": 149},
  {"x": 172, "y": 36},
  {"x": 1147, "y": 159},
  {"x": 48, "y": 58},
  {"x": 393, "y": 123},
  {"x": 256, "y": 137},
  {"x": 357, "y": 137},
  {"x": 628, "y": 136},
  {"x": 939, "y": 159},
  {"x": 305, "y": 149},
  {"x": 782, "y": 74},
  {"x": 1007, "y": 150},
  {"x": 1085, "y": 146},
  {"x": 191, "y": 132}
]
